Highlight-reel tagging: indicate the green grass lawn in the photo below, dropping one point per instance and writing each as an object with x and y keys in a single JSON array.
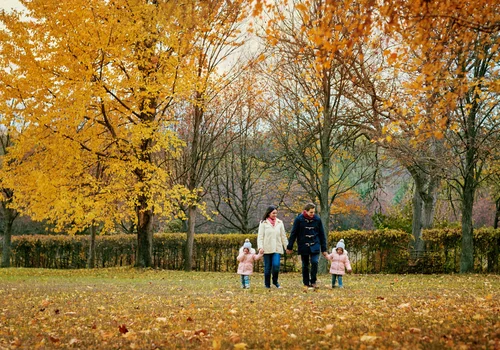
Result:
[{"x": 147, "y": 309}]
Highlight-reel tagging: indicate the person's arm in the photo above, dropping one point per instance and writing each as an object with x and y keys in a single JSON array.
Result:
[
  {"x": 348, "y": 264},
  {"x": 258, "y": 256},
  {"x": 260, "y": 236},
  {"x": 240, "y": 256},
  {"x": 293, "y": 235},
  {"x": 284, "y": 240}
]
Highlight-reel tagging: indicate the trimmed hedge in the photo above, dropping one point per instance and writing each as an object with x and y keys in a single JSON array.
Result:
[
  {"x": 375, "y": 251},
  {"x": 445, "y": 244},
  {"x": 369, "y": 251}
]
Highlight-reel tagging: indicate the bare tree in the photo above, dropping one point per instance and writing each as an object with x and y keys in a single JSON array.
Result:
[{"x": 314, "y": 115}]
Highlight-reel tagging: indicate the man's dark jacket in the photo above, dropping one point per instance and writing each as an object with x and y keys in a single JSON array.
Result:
[{"x": 309, "y": 234}]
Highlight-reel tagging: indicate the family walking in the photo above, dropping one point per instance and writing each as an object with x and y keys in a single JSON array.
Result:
[{"x": 308, "y": 232}]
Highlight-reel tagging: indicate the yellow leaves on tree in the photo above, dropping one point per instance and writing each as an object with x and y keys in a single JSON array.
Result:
[
  {"x": 435, "y": 44},
  {"x": 94, "y": 84}
]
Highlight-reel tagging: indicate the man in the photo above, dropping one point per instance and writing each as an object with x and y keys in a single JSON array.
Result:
[{"x": 308, "y": 231}]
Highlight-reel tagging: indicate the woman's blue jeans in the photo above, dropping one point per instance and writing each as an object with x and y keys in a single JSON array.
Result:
[
  {"x": 309, "y": 279},
  {"x": 271, "y": 266}
]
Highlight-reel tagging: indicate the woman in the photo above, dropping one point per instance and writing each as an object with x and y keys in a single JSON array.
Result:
[
  {"x": 272, "y": 239},
  {"x": 308, "y": 231}
]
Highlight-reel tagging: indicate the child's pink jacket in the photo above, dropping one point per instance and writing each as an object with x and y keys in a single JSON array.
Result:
[
  {"x": 339, "y": 263},
  {"x": 245, "y": 267}
]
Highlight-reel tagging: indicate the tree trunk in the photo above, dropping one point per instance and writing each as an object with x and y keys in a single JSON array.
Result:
[
  {"x": 325, "y": 187},
  {"x": 188, "y": 253},
  {"x": 326, "y": 156},
  {"x": 430, "y": 200},
  {"x": 91, "y": 258},
  {"x": 193, "y": 180},
  {"x": 417, "y": 246},
  {"x": 323, "y": 265},
  {"x": 7, "y": 239},
  {"x": 424, "y": 204},
  {"x": 467, "y": 256},
  {"x": 325, "y": 215},
  {"x": 9, "y": 216},
  {"x": 144, "y": 234},
  {"x": 244, "y": 190}
]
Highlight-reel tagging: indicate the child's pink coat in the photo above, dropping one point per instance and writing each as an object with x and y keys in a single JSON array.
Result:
[
  {"x": 245, "y": 267},
  {"x": 339, "y": 263}
]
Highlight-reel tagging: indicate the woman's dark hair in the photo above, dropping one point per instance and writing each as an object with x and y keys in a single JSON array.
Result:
[
  {"x": 269, "y": 210},
  {"x": 309, "y": 206}
]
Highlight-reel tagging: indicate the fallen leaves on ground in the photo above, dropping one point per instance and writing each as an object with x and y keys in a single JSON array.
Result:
[{"x": 149, "y": 309}]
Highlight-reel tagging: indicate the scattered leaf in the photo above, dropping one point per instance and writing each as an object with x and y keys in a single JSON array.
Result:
[
  {"x": 234, "y": 337},
  {"x": 54, "y": 339},
  {"x": 368, "y": 338},
  {"x": 123, "y": 329}
]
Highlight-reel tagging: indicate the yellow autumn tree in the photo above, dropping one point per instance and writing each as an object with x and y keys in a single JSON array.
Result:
[{"x": 95, "y": 83}]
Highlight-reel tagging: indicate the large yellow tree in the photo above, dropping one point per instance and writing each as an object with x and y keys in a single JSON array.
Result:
[{"x": 95, "y": 83}]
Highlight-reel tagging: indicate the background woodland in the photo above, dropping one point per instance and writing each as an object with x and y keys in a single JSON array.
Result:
[{"x": 193, "y": 116}]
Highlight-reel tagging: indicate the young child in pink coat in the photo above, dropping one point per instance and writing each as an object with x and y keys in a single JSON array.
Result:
[
  {"x": 246, "y": 258},
  {"x": 340, "y": 262}
]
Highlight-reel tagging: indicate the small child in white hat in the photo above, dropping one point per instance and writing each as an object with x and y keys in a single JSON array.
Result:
[
  {"x": 340, "y": 262},
  {"x": 246, "y": 258}
]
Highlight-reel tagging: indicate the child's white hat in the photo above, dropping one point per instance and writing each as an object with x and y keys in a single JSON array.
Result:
[
  {"x": 247, "y": 244},
  {"x": 340, "y": 244}
]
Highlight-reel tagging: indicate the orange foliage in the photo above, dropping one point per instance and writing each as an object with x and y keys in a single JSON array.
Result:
[{"x": 348, "y": 203}]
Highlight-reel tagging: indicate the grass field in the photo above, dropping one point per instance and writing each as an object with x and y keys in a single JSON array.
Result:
[{"x": 148, "y": 309}]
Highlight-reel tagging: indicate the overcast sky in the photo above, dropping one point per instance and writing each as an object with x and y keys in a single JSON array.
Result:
[{"x": 10, "y": 4}]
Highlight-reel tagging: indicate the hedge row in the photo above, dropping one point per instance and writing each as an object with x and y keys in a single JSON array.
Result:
[
  {"x": 369, "y": 251},
  {"x": 444, "y": 246}
]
